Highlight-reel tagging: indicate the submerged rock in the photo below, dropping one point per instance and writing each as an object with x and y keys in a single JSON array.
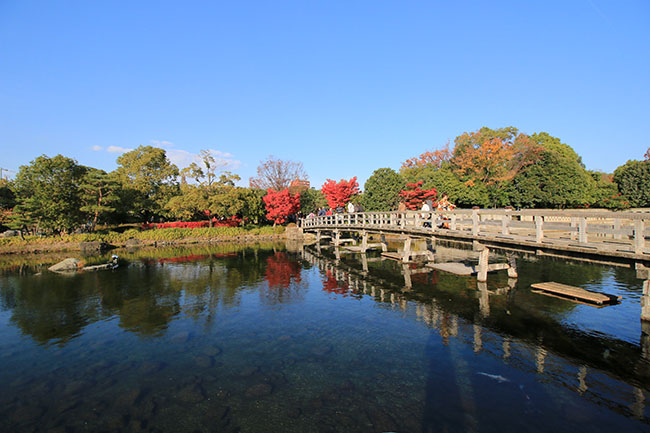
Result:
[
  {"x": 192, "y": 393},
  {"x": 203, "y": 361},
  {"x": 321, "y": 350},
  {"x": 259, "y": 390},
  {"x": 211, "y": 351},
  {"x": 248, "y": 371},
  {"x": 69, "y": 264},
  {"x": 181, "y": 337}
]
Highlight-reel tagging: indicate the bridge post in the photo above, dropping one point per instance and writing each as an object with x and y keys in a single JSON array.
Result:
[
  {"x": 639, "y": 236},
  {"x": 582, "y": 230},
  {"x": 475, "y": 221},
  {"x": 574, "y": 225},
  {"x": 505, "y": 222},
  {"x": 512, "y": 262},
  {"x": 452, "y": 225},
  {"x": 364, "y": 241},
  {"x": 384, "y": 244},
  {"x": 337, "y": 237},
  {"x": 539, "y": 228},
  {"x": 483, "y": 299},
  {"x": 617, "y": 226},
  {"x": 364, "y": 263},
  {"x": 318, "y": 236},
  {"x": 483, "y": 264},
  {"x": 407, "y": 249},
  {"x": 645, "y": 301},
  {"x": 582, "y": 379},
  {"x": 431, "y": 248},
  {"x": 408, "y": 284}
]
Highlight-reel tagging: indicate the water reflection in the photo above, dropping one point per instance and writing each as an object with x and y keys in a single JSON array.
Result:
[
  {"x": 501, "y": 319},
  {"x": 308, "y": 339}
]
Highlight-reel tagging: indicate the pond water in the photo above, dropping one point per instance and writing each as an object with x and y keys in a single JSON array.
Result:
[{"x": 268, "y": 338}]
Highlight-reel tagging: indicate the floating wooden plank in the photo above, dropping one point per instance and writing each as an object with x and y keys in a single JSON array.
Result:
[
  {"x": 564, "y": 298},
  {"x": 458, "y": 268},
  {"x": 576, "y": 293},
  {"x": 355, "y": 249},
  {"x": 393, "y": 256}
]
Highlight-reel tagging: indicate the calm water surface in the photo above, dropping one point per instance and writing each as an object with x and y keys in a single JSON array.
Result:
[{"x": 269, "y": 338}]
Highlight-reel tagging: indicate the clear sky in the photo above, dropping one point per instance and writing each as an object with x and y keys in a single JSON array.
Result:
[{"x": 345, "y": 87}]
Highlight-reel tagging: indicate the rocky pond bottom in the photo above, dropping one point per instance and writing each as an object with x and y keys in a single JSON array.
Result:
[{"x": 265, "y": 340}]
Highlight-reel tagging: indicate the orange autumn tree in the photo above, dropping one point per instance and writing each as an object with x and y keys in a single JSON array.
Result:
[
  {"x": 431, "y": 158},
  {"x": 338, "y": 194},
  {"x": 492, "y": 156}
]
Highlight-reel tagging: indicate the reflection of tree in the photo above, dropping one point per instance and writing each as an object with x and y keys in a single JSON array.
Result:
[
  {"x": 281, "y": 271},
  {"x": 145, "y": 292},
  {"x": 47, "y": 310},
  {"x": 332, "y": 286}
]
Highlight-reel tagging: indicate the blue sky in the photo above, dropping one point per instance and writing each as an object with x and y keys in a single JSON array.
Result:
[{"x": 344, "y": 87}]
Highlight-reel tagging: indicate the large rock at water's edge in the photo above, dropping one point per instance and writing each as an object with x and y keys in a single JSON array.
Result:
[
  {"x": 293, "y": 232},
  {"x": 69, "y": 264},
  {"x": 92, "y": 247},
  {"x": 133, "y": 243},
  {"x": 9, "y": 234}
]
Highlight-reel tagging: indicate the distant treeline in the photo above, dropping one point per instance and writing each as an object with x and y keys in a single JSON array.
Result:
[{"x": 487, "y": 168}]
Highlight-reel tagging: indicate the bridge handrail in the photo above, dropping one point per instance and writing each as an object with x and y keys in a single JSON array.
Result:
[{"x": 577, "y": 224}]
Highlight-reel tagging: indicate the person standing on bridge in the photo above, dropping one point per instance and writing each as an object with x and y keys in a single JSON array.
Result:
[{"x": 350, "y": 207}]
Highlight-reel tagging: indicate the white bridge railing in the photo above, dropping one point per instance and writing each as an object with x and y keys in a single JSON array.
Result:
[{"x": 624, "y": 231}]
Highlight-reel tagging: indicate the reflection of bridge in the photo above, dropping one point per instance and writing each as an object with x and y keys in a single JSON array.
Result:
[
  {"x": 614, "y": 237},
  {"x": 579, "y": 352}
]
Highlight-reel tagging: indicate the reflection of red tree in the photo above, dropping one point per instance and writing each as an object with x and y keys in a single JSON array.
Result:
[
  {"x": 280, "y": 270},
  {"x": 332, "y": 286}
]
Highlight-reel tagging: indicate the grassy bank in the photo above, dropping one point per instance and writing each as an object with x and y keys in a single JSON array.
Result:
[{"x": 170, "y": 236}]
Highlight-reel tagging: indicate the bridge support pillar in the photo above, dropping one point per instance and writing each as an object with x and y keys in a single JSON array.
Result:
[
  {"x": 364, "y": 241},
  {"x": 645, "y": 302},
  {"x": 337, "y": 238},
  {"x": 364, "y": 262},
  {"x": 407, "y": 249},
  {"x": 483, "y": 264},
  {"x": 384, "y": 244},
  {"x": 408, "y": 284},
  {"x": 483, "y": 299},
  {"x": 512, "y": 270}
]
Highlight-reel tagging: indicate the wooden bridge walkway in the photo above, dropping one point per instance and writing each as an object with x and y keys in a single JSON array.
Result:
[{"x": 595, "y": 234}]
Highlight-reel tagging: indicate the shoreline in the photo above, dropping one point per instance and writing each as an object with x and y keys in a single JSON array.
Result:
[{"x": 70, "y": 246}]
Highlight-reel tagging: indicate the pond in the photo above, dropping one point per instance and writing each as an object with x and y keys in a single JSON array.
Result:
[{"x": 292, "y": 338}]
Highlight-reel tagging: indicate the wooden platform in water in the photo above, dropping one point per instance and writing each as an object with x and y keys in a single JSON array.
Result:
[
  {"x": 458, "y": 268},
  {"x": 575, "y": 293},
  {"x": 393, "y": 256}
]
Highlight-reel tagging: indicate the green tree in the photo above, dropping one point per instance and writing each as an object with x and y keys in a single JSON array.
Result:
[
  {"x": 606, "y": 194},
  {"x": 446, "y": 181},
  {"x": 148, "y": 181},
  {"x": 7, "y": 202},
  {"x": 633, "y": 180},
  {"x": 98, "y": 194},
  {"x": 557, "y": 179},
  {"x": 48, "y": 194},
  {"x": 311, "y": 200},
  {"x": 381, "y": 190}
]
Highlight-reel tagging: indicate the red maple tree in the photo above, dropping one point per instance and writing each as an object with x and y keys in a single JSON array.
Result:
[
  {"x": 414, "y": 195},
  {"x": 279, "y": 205},
  {"x": 339, "y": 193}
]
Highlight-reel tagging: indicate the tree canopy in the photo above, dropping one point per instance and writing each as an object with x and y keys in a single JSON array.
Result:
[{"x": 381, "y": 190}]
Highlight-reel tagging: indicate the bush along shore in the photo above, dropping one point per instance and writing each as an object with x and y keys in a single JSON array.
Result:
[{"x": 136, "y": 237}]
